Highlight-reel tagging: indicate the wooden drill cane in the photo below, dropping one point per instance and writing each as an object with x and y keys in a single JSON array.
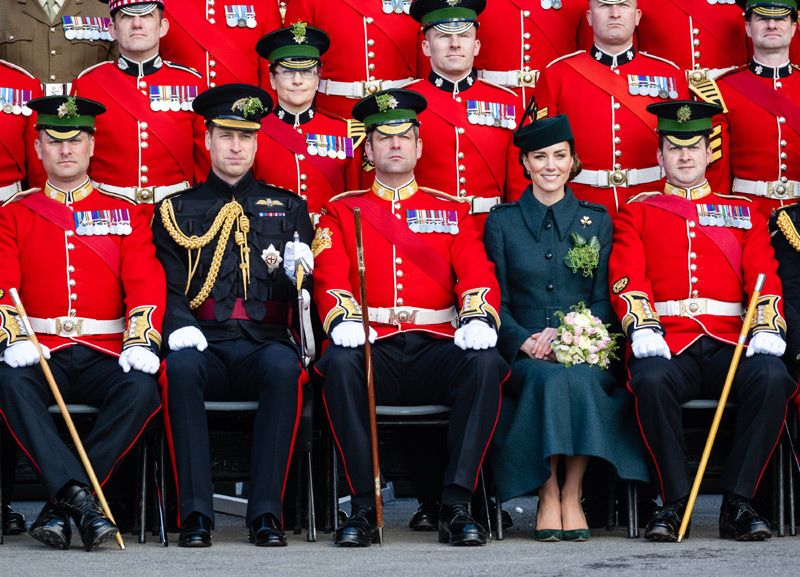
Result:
[
  {"x": 723, "y": 399},
  {"x": 373, "y": 423},
  {"x": 48, "y": 375}
]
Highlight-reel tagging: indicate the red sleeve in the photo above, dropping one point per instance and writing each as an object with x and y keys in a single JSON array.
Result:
[
  {"x": 202, "y": 162},
  {"x": 36, "y": 175}
]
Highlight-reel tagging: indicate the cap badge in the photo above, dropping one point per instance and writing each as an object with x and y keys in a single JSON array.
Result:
[
  {"x": 69, "y": 109},
  {"x": 299, "y": 32},
  {"x": 684, "y": 113},
  {"x": 453, "y": 2},
  {"x": 272, "y": 257},
  {"x": 386, "y": 101},
  {"x": 585, "y": 221},
  {"x": 248, "y": 106}
]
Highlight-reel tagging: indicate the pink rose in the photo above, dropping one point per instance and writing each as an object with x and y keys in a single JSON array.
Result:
[{"x": 567, "y": 338}]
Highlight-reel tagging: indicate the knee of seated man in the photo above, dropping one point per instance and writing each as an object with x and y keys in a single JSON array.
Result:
[
  {"x": 15, "y": 382},
  {"x": 185, "y": 364},
  {"x": 649, "y": 379}
]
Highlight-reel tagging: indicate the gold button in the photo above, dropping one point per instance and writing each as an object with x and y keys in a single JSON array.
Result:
[
  {"x": 212, "y": 21},
  {"x": 461, "y": 168},
  {"x": 212, "y": 63},
  {"x": 144, "y": 195},
  {"x": 143, "y": 178},
  {"x": 52, "y": 77},
  {"x": 460, "y": 130},
  {"x": 694, "y": 279},
  {"x": 695, "y": 294},
  {"x": 526, "y": 46},
  {"x": 212, "y": 74},
  {"x": 370, "y": 54},
  {"x": 370, "y": 42},
  {"x": 303, "y": 177},
  {"x": 693, "y": 307},
  {"x": 784, "y": 156},
  {"x": 617, "y": 140},
  {"x": 143, "y": 125},
  {"x": 73, "y": 297},
  {"x": 144, "y": 136},
  {"x": 693, "y": 267},
  {"x": 142, "y": 84},
  {"x": 371, "y": 67},
  {"x": 144, "y": 169},
  {"x": 301, "y": 157},
  {"x": 70, "y": 268},
  {"x": 696, "y": 42},
  {"x": 398, "y": 260},
  {"x": 399, "y": 274},
  {"x": 70, "y": 246},
  {"x": 692, "y": 255},
  {"x": 52, "y": 52},
  {"x": 526, "y": 35},
  {"x": 143, "y": 145},
  {"x": 212, "y": 84},
  {"x": 72, "y": 282},
  {"x": 368, "y": 19},
  {"x": 526, "y": 13},
  {"x": 617, "y": 153},
  {"x": 462, "y": 180},
  {"x": 460, "y": 155},
  {"x": 400, "y": 301},
  {"x": 304, "y": 187},
  {"x": 399, "y": 286},
  {"x": 616, "y": 127},
  {"x": 69, "y": 233}
]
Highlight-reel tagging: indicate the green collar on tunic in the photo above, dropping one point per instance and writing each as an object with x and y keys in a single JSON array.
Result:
[{"x": 534, "y": 213}]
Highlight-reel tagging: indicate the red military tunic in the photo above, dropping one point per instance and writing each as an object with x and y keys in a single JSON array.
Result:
[
  {"x": 18, "y": 161},
  {"x": 287, "y": 158},
  {"x": 520, "y": 37},
  {"x": 398, "y": 276},
  {"x": 615, "y": 136},
  {"x": 367, "y": 46},
  {"x": 667, "y": 273},
  {"x": 465, "y": 159},
  {"x": 144, "y": 149},
  {"x": 219, "y": 39},
  {"x": 61, "y": 276},
  {"x": 760, "y": 135}
]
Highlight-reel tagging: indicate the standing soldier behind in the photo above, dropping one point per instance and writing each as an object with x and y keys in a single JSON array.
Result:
[
  {"x": 150, "y": 142},
  {"x": 605, "y": 92},
  {"x": 228, "y": 309},
  {"x": 300, "y": 148},
  {"x": 375, "y": 47},
  {"x": 469, "y": 122},
  {"x": 761, "y": 130},
  {"x": 55, "y": 39},
  {"x": 682, "y": 264},
  {"x": 217, "y": 39},
  {"x": 88, "y": 275}
]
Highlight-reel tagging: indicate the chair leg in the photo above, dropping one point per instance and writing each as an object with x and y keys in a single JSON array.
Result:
[
  {"x": 298, "y": 497},
  {"x": 334, "y": 490},
  {"x": 2, "y": 432},
  {"x": 633, "y": 510},
  {"x": 790, "y": 465},
  {"x": 312, "y": 515},
  {"x": 487, "y": 515},
  {"x": 781, "y": 489},
  {"x": 161, "y": 483},
  {"x": 498, "y": 514},
  {"x": 141, "y": 505},
  {"x": 611, "y": 508}
]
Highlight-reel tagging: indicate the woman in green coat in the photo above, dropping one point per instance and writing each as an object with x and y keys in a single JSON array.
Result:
[{"x": 553, "y": 412}]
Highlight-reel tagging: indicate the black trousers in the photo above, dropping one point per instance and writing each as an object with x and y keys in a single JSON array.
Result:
[
  {"x": 761, "y": 389},
  {"x": 414, "y": 369},
  {"x": 234, "y": 370},
  {"x": 126, "y": 403}
]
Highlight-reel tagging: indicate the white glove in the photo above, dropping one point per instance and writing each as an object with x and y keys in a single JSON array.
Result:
[
  {"x": 475, "y": 335},
  {"x": 766, "y": 344},
  {"x": 649, "y": 343},
  {"x": 139, "y": 358},
  {"x": 294, "y": 254},
  {"x": 23, "y": 354},
  {"x": 350, "y": 334},
  {"x": 187, "y": 338}
]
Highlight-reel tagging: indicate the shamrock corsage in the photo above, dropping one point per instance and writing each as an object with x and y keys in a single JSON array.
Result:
[{"x": 584, "y": 256}]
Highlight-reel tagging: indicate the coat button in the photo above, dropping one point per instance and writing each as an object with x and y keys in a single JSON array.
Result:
[
  {"x": 399, "y": 274},
  {"x": 548, "y": 254},
  {"x": 399, "y": 286},
  {"x": 398, "y": 260},
  {"x": 550, "y": 286},
  {"x": 548, "y": 225}
]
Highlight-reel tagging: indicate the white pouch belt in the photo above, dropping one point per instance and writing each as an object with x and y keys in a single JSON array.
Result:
[
  {"x": 480, "y": 204},
  {"x": 358, "y": 89},
  {"x": 511, "y": 78},
  {"x": 694, "y": 307},
  {"x": 775, "y": 189},
  {"x": 624, "y": 177},
  {"x": 144, "y": 195},
  {"x": 77, "y": 326},
  {"x": 7, "y": 192},
  {"x": 412, "y": 315}
]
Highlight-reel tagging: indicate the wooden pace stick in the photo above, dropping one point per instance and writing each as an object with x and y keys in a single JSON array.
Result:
[
  {"x": 373, "y": 423},
  {"x": 48, "y": 375},
  {"x": 723, "y": 399}
]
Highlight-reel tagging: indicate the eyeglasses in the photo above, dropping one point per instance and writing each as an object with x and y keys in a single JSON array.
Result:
[{"x": 288, "y": 73}]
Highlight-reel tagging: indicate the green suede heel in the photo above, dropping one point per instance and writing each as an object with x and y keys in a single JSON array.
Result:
[
  {"x": 547, "y": 535},
  {"x": 575, "y": 535}
]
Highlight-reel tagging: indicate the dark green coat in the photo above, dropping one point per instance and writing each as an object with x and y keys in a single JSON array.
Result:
[{"x": 550, "y": 409}]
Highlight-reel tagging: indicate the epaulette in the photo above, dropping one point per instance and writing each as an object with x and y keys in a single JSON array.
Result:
[
  {"x": 277, "y": 187},
  {"x": 736, "y": 196},
  {"x": 493, "y": 85},
  {"x": 570, "y": 55},
  {"x": 707, "y": 90},
  {"x": 732, "y": 70},
  {"x": 17, "y": 68},
  {"x": 347, "y": 194},
  {"x": 105, "y": 192},
  {"x": 356, "y": 130},
  {"x": 442, "y": 195},
  {"x": 96, "y": 66},
  {"x": 20, "y": 194},
  {"x": 593, "y": 206},
  {"x": 410, "y": 82},
  {"x": 642, "y": 196},
  {"x": 785, "y": 224},
  {"x": 654, "y": 57},
  {"x": 182, "y": 67},
  {"x": 503, "y": 205}
]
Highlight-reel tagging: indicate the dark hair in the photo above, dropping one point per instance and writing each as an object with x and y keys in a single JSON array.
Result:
[{"x": 577, "y": 165}]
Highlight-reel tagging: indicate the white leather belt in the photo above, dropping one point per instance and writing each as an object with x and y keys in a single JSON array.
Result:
[
  {"x": 7, "y": 192},
  {"x": 412, "y": 315},
  {"x": 480, "y": 204},
  {"x": 77, "y": 326},
  {"x": 511, "y": 78},
  {"x": 144, "y": 195},
  {"x": 56, "y": 89},
  {"x": 694, "y": 307},
  {"x": 775, "y": 189},
  {"x": 624, "y": 177},
  {"x": 358, "y": 89}
]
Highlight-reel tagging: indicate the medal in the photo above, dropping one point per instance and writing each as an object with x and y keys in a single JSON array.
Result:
[
  {"x": 547, "y": 4},
  {"x": 388, "y": 6},
  {"x": 272, "y": 257},
  {"x": 557, "y": 4},
  {"x": 95, "y": 29}
]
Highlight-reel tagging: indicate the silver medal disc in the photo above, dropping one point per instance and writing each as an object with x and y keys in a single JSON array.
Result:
[{"x": 69, "y": 34}]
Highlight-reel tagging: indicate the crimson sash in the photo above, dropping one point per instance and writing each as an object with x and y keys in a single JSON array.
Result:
[
  {"x": 776, "y": 104},
  {"x": 63, "y": 218}
]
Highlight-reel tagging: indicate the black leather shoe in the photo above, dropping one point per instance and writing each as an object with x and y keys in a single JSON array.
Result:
[
  {"x": 457, "y": 527},
  {"x": 13, "y": 522},
  {"x": 52, "y": 527},
  {"x": 266, "y": 531},
  {"x": 360, "y": 529},
  {"x": 738, "y": 520},
  {"x": 93, "y": 526},
  {"x": 664, "y": 526},
  {"x": 426, "y": 518},
  {"x": 195, "y": 531}
]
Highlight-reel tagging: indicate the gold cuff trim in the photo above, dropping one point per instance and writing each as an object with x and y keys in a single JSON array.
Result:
[
  {"x": 11, "y": 328},
  {"x": 767, "y": 318},
  {"x": 140, "y": 331},
  {"x": 474, "y": 305},
  {"x": 640, "y": 314},
  {"x": 346, "y": 307}
]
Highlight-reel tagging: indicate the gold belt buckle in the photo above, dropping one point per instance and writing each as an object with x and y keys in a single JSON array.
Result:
[
  {"x": 526, "y": 78},
  {"x": 780, "y": 190},
  {"x": 69, "y": 327},
  {"x": 696, "y": 77},
  {"x": 402, "y": 316},
  {"x": 618, "y": 177},
  {"x": 693, "y": 307},
  {"x": 370, "y": 87},
  {"x": 146, "y": 194}
]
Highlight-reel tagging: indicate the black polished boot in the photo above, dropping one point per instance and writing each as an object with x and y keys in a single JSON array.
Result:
[
  {"x": 93, "y": 526},
  {"x": 665, "y": 524},
  {"x": 266, "y": 531},
  {"x": 52, "y": 527},
  {"x": 426, "y": 517},
  {"x": 195, "y": 531},
  {"x": 457, "y": 527},
  {"x": 360, "y": 529},
  {"x": 738, "y": 520},
  {"x": 13, "y": 522}
]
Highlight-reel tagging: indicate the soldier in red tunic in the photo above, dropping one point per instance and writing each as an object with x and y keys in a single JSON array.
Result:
[
  {"x": 299, "y": 147},
  {"x": 216, "y": 39},
  {"x": 374, "y": 47},
  {"x": 604, "y": 92},
  {"x": 427, "y": 273},
  {"x": 150, "y": 142},
  {"x": 87, "y": 271},
  {"x": 682, "y": 265}
]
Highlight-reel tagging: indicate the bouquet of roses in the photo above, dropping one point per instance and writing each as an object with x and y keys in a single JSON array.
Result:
[{"x": 583, "y": 338}]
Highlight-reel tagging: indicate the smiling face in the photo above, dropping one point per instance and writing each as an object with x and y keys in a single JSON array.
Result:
[
  {"x": 685, "y": 166},
  {"x": 138, "y": 37},
  {"x": 770, "y": 35},
  {"x": 452, "y": 55},
  {"x": 295, "y": 88},
  {"x": 232, "y": 152},
  {"x": 65, "y": 161},
  {"x": 613, "y": 25},
  {"x": 549, "y": 170}
]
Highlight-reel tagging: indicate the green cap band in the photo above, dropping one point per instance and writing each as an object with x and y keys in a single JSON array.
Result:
[
  {"x": 675, "y": 127},
  {"x": 54, "y": 120},
  {"x": 294, "y": 51},
  {"x": 398, "y": 114},
  {"x": 445, "y": 14}
]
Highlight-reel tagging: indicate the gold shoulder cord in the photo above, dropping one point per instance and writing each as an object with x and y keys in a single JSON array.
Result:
[
  {"x": 788, "y": 229},
  {"x": 230, "y": 214}
]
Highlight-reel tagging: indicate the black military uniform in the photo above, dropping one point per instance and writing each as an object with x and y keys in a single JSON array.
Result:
[
  {"x": 242, "y": 305},
  {"x": 783, "y": 228}
]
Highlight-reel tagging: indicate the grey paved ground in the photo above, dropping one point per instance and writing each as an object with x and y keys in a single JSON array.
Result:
[{"x": 406, "y": 553}]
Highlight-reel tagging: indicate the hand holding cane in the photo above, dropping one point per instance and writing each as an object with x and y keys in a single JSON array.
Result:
[
  {"x": 64, "y": 412},
  {"x": 723, "y": 399},
  {"x": 373, "y": 423}
]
